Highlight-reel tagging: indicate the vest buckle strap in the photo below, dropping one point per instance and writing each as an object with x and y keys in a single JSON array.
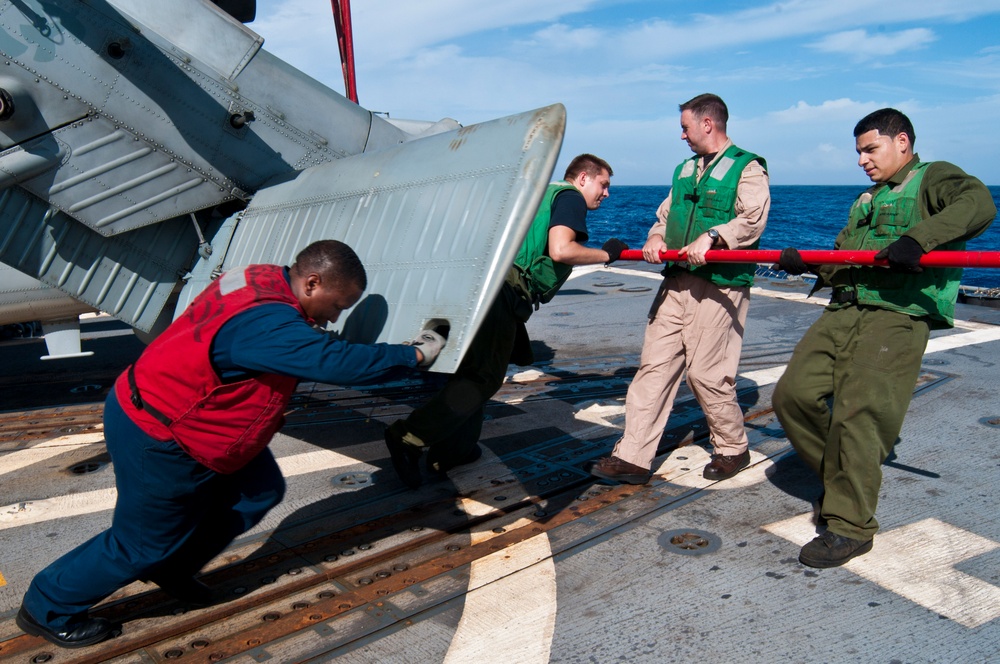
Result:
[
  {"x": 843, "y": 296},
  {"x": 137, "y": 401}
]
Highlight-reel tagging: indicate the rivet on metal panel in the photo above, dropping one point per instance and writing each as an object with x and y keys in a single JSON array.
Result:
[
  {"x": 500, "y": 498},
  {"x": 364, "y": 547},
  {"x": 239, "y": 590},
  {"x": 416, "y": 529},
  {"x": 294, "y": 571},
  {"x": 173, "y": 653},
  {"x": 253, "y": 642},
  {"x": 333, "y": 557},
  {"x": 400, "y": 567},
  {"x": 216, "y": 657},
  {"x": 267, "y": 580},
  {"x": 541, "y": 513},
  {"x": 326, "y": 594},
  {"x": 382, "y": 574},
  {"x": 199, "y": 644},
  {"x": 347, "y": 552},
  {"x": 499, "y": 530},
  {"x": 453, "y": 547},
  {"x": 270, "y": 617},
  {"x": 366, "y": 581}
]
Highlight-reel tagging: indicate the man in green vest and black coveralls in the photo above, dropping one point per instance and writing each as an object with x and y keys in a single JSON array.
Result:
[
  {"x": 845, "y": 392},
  {"x": 719, "y": 199},
  {"x": 448, "y": 426}
]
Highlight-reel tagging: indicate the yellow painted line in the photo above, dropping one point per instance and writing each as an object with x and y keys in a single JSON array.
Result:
[
  {"x": 917, "y": 561},
  {"x": 3, "y": 581}
]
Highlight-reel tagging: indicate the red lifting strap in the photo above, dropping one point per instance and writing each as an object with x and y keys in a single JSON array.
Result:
[{"x": 345, "y": 40}]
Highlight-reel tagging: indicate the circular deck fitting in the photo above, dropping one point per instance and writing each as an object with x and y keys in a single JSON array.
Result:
[
  {"x": 635, "y": 289},
  {"x": 993, "y": 421},
  {"x": 352, "y": 479},
  {"x": 86, "y": 467},
  {"x": 689, "y": 542},
  {"x": 608, "y": 284}
]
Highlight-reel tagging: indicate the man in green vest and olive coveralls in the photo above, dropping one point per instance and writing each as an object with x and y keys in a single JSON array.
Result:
[
  {"x": 863, "y": 355},
  {"x": 719, "y": 199},
  {"x": 448, "y": 425}
]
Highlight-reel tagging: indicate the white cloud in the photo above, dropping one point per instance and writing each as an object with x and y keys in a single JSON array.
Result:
[
  {"x": 861, "y": 45},
  {"x": 794, "y": 97}
]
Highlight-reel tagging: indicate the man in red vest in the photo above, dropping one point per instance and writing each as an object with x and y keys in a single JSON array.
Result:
[{"x": 187, "y": 427}]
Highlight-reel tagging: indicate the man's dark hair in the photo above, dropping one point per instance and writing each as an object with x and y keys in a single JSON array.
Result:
[
  {"x": 332, "y": 260},
  {"x": 888, "y": 122},
  {"x": 586, "y": 163},
  {"x": 708, "y": 105}
]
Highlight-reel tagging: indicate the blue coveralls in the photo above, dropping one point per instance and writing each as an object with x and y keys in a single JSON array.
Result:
[{"x": 173, "y": 514}]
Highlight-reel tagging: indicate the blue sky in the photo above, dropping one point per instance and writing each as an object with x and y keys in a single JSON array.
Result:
[{"x": 796, "y": 75}]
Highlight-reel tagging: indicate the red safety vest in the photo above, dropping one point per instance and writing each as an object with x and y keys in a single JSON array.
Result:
[{"x": 172, "y": 392}]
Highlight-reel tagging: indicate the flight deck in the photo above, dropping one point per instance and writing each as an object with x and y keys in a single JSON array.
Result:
[{"x": 523, "y": 556}]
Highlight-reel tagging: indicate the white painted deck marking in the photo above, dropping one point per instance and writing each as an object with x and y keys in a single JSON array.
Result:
[
  {"x": 684, "y": 465},
  {"x": 917, "y": 562},
  {"x": 509, "y": 614},
  {"x": 88, "y": 502},
  {"x": 510, "y": 609},
  {"x": 15, "y": 461}
]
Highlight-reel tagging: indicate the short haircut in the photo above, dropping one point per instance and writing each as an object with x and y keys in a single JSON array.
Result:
[
  {"x": 708, "y": 105},
  {"x": 888, "y": 122},
  {"x": 586, "y": 163},
  {"x": 334, "y": 261}
]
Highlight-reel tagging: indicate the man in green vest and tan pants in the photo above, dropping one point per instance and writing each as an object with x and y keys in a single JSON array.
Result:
[
  {"x": 719, "y": 199},
  {"x": 449, "y": 424},
  {"x": 845, "y": 392}
]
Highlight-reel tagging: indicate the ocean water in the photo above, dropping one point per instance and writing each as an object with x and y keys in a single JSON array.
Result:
[{"x": 806, "y": 217}]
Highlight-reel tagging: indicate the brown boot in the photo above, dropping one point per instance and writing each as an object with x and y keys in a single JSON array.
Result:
[
  {"x": 613, "y": 468},
  {"x": 723, "y": 467}
]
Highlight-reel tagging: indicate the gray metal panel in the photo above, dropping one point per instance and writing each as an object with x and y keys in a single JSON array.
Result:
[
  {"x": 135, "y": 86},
  {"x": 437, "y": 223},
  {"x": 232, "y": 44},
  {"x": 21, "y": 294},
  {"x": 130, "y": 276}
]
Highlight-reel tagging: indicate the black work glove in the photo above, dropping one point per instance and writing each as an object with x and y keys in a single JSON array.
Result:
[
  {"x": 904, "y": 255},
  {"x": 791, "y": 262},
  {"x": 614, "y": 247}
]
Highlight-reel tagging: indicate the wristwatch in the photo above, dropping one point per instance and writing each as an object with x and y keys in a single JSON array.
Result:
[{"x": 714, "y": 234}]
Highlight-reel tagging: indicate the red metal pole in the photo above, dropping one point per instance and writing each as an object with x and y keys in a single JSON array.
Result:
[{"x": 822, "y": 257}]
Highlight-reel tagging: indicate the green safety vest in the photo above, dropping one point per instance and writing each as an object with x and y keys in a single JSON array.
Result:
[
  {"x": 540, "y": 274},
  {"x": 880, "y": 216},
  {"x": 698, "y": 205}
]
